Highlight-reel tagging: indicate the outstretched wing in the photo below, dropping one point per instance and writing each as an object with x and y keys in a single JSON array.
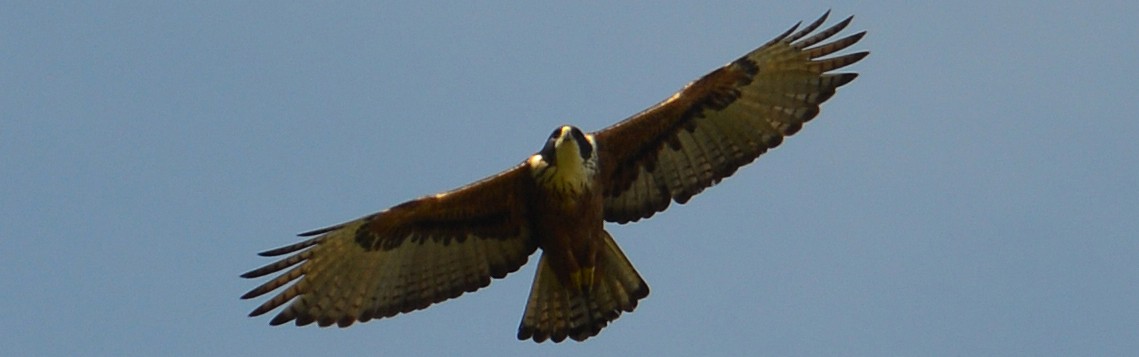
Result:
[
  {"x": 720, "y": 122},
  {"x": 405, "y": 258}
]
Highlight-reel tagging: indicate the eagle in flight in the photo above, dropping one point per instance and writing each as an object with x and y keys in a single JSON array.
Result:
[{"x": 437, "y": 247}]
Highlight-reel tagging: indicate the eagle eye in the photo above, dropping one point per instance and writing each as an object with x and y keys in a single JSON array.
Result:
[{"x": 582, "y": 143}]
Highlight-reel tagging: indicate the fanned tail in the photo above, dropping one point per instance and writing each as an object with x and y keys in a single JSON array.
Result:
[{"x": 555, "y": 312}]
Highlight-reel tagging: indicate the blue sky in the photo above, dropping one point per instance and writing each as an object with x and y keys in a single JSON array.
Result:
[{"x": 974, "y": 192}]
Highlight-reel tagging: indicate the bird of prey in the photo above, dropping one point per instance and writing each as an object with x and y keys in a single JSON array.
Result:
[{"x": 437, "y": 247}]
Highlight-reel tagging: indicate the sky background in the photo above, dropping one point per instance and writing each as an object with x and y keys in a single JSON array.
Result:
[{"x": 974, "y": 192}]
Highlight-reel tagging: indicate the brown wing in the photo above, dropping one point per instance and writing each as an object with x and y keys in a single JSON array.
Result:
[
  {"x": 720, "y": 122},
  {"x": 405, "y": 258}
]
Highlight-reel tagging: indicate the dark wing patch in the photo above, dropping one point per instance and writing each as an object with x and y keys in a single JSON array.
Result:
[
  {"x": 402, "y": 259},
  {"x": 721, "y": 121}
]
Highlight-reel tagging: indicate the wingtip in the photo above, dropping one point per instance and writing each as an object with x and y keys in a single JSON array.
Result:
[
  {"x": 319, "y": 231},
  {"x": 826, "y": 14},
  {"x": 806, "y": 30},
  {"x": 842, "y": 80},
  {"x": 260, "y": 310},
  {"x": 256, "y": 292},
  {"x": 785, "y": 34},
  {"x": 856, "y": 57},
  {"x": 281, "y": 319}
]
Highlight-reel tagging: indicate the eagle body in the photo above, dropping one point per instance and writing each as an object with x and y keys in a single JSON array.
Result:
[
  {"x": 571, "y": 296},
  {"x": 437, "y": 247},
  {"x": 567, "y": 205}
]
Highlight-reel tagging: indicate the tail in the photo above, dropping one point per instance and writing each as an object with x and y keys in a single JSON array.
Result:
[{"x": 555, "y": 311}]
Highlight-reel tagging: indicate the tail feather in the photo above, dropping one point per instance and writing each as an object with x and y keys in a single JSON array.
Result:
[{"x": 555, "y": 311}]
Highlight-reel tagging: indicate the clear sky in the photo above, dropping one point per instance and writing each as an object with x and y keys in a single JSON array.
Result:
[{"x": 974, "y": 192}]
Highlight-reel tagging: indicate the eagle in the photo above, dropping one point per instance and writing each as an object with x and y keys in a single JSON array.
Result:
[{"x": 438, "y": 247}]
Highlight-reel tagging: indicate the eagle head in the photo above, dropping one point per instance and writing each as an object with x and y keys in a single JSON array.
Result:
[{"x": 568, "y": 161}]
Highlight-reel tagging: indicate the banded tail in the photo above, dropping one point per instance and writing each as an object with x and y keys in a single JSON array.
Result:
[{"x": 554, "y": 311}]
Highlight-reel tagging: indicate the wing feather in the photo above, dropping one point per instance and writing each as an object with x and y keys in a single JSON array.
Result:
[
  {"x": 819, "y": 37},
  {"x": 724, "y": 120},
  {"x": 405, "y": 258}
]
